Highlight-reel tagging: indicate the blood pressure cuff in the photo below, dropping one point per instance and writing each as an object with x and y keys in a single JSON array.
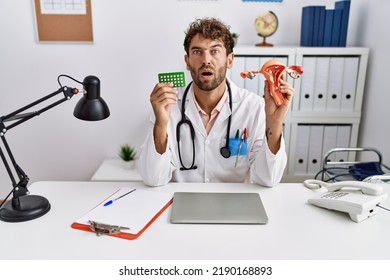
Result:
[{"x": 362, "y": 170}]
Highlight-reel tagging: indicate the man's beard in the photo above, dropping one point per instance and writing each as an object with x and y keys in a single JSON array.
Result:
[{"x": 219, "y": 77}]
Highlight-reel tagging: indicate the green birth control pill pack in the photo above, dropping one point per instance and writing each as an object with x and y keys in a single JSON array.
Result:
[{"x": 177, "y": 78}]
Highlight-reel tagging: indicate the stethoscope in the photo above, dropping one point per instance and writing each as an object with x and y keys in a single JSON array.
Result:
[{"x": 225, "y": 152}]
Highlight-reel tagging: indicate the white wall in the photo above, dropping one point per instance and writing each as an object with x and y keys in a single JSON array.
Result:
[
  {"x": 372, "y": 32},
  {"x": 133, "y": 42}
]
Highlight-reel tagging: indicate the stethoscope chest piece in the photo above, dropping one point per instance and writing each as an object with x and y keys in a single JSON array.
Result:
[{"x": 225, "y": 152}]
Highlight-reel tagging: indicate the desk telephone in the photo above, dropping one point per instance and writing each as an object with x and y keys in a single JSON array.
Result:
[{"x": 358, "y": 199}]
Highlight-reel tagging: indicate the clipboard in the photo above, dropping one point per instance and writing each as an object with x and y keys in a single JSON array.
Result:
[{"x": 127, "y": 217}]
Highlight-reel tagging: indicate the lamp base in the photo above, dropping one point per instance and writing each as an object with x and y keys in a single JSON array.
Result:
[{"x": 30, "y": 208}]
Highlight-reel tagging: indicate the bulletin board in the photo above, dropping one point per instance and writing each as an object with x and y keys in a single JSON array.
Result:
[{"x": 64, "y": 27}]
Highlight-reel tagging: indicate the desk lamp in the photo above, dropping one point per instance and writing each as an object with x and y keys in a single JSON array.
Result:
[{"x": 23, "y": 206}]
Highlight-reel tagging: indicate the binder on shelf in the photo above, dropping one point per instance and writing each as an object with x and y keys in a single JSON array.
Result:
[
  {"x": 343, "y": 139},
  {"x": 345, "y": 7},
  {"x": 351, "y": 69},
  {"x": 307, "y": 26},
  {"x": 321, "y": 27},
  {"x": 336, "y": 71},
  {"x": 321, "y": 83},
  {"x": 127, "y": 217},
  {"x": 328, "y": 27},
  {"x": 325, "y": 27},
  {"x": 307, "y": 84},
  {"x": 330, "y": 140},
  {"x": 337, "y": 17},
  {"x": 315, "y": 148},
  {"x": 301, "y": 151},
  {"x": 318, "y": 27}
]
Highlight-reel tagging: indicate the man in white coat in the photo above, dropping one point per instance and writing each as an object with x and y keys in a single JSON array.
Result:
[{"x": 221, "y": 133}]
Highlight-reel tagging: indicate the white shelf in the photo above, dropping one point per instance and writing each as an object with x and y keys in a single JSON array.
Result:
[
  {"x": 112, "y": 170},
  {"x": 345, "y": 116}
]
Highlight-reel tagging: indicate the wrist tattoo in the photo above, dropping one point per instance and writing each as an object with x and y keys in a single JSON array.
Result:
[{"x": 268, "y": 132}]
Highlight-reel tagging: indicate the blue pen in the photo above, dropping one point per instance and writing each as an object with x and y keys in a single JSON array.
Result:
[{"x": 112, "y": 200}]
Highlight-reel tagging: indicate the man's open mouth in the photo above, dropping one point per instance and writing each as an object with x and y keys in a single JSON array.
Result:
[{"x": 207, "y": 73}]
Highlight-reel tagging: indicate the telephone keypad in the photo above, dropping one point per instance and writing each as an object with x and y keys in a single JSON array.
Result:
[{"x": 334, "y": 195}]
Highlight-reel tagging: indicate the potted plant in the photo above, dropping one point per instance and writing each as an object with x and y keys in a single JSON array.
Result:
[
  {"x": 127, "y": 154},
  {"x": 235, "y": 38}
]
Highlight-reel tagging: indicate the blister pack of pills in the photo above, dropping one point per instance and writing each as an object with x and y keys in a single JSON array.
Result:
[{"x": 177, "y": 78}]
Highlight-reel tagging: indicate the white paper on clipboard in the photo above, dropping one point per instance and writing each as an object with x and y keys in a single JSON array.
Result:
[{"x": 132, "y": 211}]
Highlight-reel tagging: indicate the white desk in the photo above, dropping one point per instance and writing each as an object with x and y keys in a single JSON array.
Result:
[
  {"x": 296, "y": 230},
  {"x": 112, "y": 170}
]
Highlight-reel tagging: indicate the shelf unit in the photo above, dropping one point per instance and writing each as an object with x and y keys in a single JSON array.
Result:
[
  {"x": 326, "y": 108},
  {"x": 112, "y": 169}
]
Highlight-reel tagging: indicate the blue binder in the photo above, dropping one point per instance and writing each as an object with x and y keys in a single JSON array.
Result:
[
  {"x": 337, "y": 16},
  {"x": 319, "y": 39},
  {"x": 328, "y": 28},
  {"x": 345, "y": 7},
  {"x": 307, "y": 24}
]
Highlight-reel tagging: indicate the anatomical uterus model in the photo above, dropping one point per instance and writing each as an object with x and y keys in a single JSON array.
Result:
[{"x": 273, "y": 71}]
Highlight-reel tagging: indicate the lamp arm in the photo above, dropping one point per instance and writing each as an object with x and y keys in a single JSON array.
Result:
[
  {"x": 22, "y": 117},
  {"x": 20, "y": 188},
  {"x": 91, "y": 107}
]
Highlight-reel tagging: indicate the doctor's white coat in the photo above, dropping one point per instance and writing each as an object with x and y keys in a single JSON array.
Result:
[{"x": 259, "y": 165}]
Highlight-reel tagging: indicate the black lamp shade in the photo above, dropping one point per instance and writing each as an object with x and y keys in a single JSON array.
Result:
[{"x": 91, "y": 106}]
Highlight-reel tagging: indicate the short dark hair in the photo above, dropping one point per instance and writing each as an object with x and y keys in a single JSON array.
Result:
[{"x": 209, "y": 28}]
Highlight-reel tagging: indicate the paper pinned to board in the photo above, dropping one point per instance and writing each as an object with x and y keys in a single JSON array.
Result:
[
  {"x": 63, "y": 7},
  {"x": 132, "y": 211}
]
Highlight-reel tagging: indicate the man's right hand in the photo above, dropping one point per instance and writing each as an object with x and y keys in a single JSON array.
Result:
[{"x": 162, "y": 98}]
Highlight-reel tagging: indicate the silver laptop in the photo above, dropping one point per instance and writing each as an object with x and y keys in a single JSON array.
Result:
[{"x": 217, "y": 208}]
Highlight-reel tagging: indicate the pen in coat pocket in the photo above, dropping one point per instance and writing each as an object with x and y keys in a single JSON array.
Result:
[{"x": 243, "y": 138}]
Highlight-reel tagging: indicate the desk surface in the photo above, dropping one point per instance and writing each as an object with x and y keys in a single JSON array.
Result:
[{"x": 296, "y": 230}]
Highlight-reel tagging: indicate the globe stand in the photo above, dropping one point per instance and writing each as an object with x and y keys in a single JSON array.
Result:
[{"x": 264, "y": 43}]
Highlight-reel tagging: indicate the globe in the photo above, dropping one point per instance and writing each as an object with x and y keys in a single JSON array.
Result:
[{"x": 266, "y": 24}]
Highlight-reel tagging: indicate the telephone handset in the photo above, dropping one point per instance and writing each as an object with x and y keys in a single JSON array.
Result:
[
  {"x": 365, "y": 188},
  {"x": 358, "y": 199}
]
